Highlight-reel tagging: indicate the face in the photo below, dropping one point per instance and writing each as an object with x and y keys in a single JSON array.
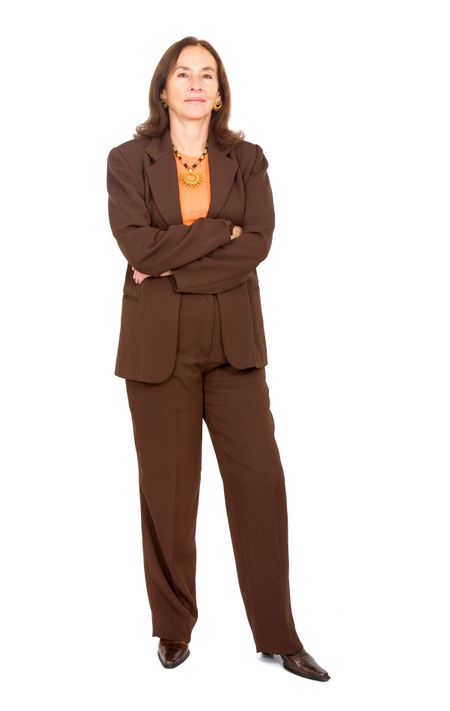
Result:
[{"x": 192, "y": 87}]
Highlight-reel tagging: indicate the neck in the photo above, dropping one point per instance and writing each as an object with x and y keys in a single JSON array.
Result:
[{"x": 189, "y": 137}]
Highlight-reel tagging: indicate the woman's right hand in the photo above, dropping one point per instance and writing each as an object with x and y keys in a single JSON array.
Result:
[{"x": 236, "y": 232}]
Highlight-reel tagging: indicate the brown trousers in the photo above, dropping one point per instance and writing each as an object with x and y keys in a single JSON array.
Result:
[{"x": 167, "y": 424}]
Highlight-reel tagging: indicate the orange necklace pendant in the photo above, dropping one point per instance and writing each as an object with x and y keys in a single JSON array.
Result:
[{"x": 191, "y": 179}]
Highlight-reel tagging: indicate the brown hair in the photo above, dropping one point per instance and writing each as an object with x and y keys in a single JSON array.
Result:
[{"x": 158, "y": 119}]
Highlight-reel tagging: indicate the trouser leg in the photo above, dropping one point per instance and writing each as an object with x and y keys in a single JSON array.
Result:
[
  {"x": 237, "y": 413},
  {"x": 167, "y": 433}
]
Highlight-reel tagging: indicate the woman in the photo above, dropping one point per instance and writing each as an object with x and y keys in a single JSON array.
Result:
[{"x": 191, "y": 207}]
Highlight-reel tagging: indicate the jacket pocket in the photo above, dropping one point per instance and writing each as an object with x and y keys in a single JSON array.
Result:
[
  {"x": 130, "y": 289},
  {"x": 252, "y": 283}
]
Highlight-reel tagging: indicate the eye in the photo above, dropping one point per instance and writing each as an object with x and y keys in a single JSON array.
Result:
[{"x": 184, "y": 74}]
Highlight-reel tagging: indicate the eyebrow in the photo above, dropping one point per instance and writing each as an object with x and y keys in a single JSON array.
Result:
[{"x": 211, "y": 68}]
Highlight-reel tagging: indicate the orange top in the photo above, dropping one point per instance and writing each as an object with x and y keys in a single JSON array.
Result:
[{"x": 194, "y": 201}]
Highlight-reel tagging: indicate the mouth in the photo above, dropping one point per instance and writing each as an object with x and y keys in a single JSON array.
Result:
[{"x": 201, "y": 100}]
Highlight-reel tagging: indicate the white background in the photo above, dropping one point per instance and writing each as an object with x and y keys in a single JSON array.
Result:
[{"x": 350, "y": 102}]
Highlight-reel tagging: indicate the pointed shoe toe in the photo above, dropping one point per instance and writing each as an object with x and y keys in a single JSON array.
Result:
[
  {"x": 303, "y": 664},
  {"x": 171, "y": 652}
]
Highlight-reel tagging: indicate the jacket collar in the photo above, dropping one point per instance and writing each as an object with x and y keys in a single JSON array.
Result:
[{"x": 163, "y": 176}]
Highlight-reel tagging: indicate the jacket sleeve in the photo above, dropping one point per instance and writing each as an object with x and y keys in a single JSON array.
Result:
[
  {"x": 146, "y": 248},
  {"x": 231, "y": 264}
]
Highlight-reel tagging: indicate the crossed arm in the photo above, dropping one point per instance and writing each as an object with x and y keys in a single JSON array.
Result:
[
  {"x": 149, "y": 249},
  {"x": 202, "y": 257}
]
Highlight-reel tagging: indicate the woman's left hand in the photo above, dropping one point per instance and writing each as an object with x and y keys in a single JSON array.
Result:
[{"x": 139, "y": 277}]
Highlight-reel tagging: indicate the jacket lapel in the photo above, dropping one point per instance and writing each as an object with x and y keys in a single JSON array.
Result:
[{"x": 163, "y": 177}]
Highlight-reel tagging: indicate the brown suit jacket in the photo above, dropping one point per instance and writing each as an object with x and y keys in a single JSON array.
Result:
[{"x": 145, "y": 218}]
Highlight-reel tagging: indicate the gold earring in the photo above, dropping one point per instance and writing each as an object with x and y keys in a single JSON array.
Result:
[
  {"x": 164, "y": 102},
  {"x": 216, "y": 106}
]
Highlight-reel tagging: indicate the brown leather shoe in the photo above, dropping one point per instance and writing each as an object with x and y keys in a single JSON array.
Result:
[
  {"x": 171, "y": 652},
  {"x": 304, "y": 664}
]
